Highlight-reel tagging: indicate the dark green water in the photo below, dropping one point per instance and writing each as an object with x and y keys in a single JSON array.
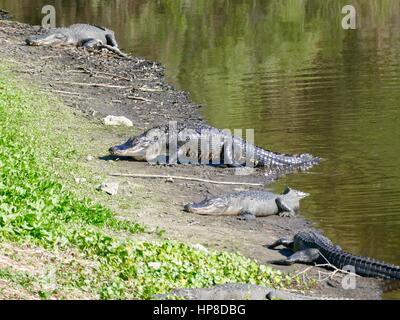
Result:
[{"x": 288, "y": 70}]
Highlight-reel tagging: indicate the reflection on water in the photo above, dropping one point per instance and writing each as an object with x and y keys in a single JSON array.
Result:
[{"x": 288, "y": 70}]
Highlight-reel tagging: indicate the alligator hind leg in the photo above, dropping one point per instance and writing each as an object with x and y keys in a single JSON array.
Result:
[
  {"x": 111, "y": 41},
  {"x": 100, "y": 45},
  {"x": 287, "y": 242},
  {"x": 304, "y": 256}
]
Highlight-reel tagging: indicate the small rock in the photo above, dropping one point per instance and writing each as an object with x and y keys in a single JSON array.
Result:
[
  {"x": 245, "y": 171},
  {"x": 89, "y": 158},
  {"x": 154, "y": 265},
  {"x": 80, "y": 180},
  {"x": 200, "y": 247},
  {"x": 117, "y": 121},
  {"x": 109, "y": 187}
]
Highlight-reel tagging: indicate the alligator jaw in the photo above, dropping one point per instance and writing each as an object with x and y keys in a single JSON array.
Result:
[
  {"x": 137, "y": 152},
  {"x": 50, "y": 39},
  {"x": 200, "y": 209},
  {"x": 207, "y": 207}
]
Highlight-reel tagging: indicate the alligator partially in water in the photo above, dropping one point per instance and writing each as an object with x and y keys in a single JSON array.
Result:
[
  {"x": 312, "y": 247},
  {"x": 250, "y": 204},
  {"x": 198, "y": 143},
  {"x": 80, "y": 34}
]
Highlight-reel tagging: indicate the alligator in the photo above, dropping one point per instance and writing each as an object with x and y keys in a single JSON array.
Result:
[
  {"x": 311, "y": 247},
  {"x": 197, "y": 143},
  {"x": 5, "y": 15},
  {"x": 236, "y": 291},
  {"x": 250, "y": 204},
  {"x": 80, "y": 35}
]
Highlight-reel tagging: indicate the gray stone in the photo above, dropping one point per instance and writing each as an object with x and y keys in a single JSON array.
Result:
[
  {"x": 117, "y": 121},
  {"x": 110, "y": 188}
]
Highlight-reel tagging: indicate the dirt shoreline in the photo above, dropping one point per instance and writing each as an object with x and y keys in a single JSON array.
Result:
[{"x": 97, "y": 84}]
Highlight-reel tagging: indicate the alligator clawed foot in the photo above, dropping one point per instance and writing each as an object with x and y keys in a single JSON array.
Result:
[
  {"x": 246, "y": 216},
  {"x": 287, "y": 214},
  {"x": 282, "y": 262}
]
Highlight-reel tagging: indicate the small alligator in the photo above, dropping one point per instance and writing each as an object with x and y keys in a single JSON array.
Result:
[
  {"x": 5, "y": 15},
  {"x": 312, "y": 247},
  {"x": 81, "y": 35},
  {"x": 202, "y": 144},
  {"x": 250, "y": 204}
]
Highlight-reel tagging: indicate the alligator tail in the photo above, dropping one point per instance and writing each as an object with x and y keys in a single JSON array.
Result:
[
  {"x": 372, "y": 268},
  {"x": 365, "y": 266},
  {"x": 269, "y": 158}
]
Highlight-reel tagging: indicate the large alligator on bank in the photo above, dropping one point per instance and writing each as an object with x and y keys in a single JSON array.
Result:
[
  {"x": 198, "y": 143},
  {"x": 312, "y": 247},
  {"x": 81, "y": 35},
  {"x": 250, "y": 204}
]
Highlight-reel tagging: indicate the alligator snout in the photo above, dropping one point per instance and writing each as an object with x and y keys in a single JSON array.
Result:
[
  {"x": 113, "y": 150},
  {"x": 30, "y": 41},
  {"x": 195, "y": 208}
]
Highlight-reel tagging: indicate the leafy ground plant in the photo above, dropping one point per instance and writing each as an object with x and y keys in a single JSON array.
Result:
[{"x": 37, "y": 209}]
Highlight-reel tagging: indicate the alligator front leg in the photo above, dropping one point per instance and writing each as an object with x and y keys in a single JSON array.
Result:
[
  {"x": 228, "y": 155},
  {"x": 90, "y": 43},
  {"x": 287, "y": 242},
  {"x": 247, "y": 216},
  {"x": 284, "y": 209},
  {"x": 304, "y": 256}
]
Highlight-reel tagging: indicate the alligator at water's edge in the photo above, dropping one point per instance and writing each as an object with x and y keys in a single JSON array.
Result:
[
  {"x": 198, "y": 143},
  {"x": 312, "y": 247},
  {"x": 80, "y": 34},
  {"x": 250, "y": 204},
  {"x": 5, "y": 15}
]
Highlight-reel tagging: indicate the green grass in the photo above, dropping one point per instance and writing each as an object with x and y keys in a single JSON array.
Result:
[{"x": 38, "y": 207}]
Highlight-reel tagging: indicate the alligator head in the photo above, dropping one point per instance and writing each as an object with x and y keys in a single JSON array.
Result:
[
  {"x": 51, "y": 38},
  {"x": 145, "y": 147},
  {"x": 132, "y": 148},
  {"x": 208, "y": 206}
]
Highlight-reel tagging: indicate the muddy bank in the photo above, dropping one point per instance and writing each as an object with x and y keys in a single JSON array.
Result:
[{"x": 97, "y": 84}]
